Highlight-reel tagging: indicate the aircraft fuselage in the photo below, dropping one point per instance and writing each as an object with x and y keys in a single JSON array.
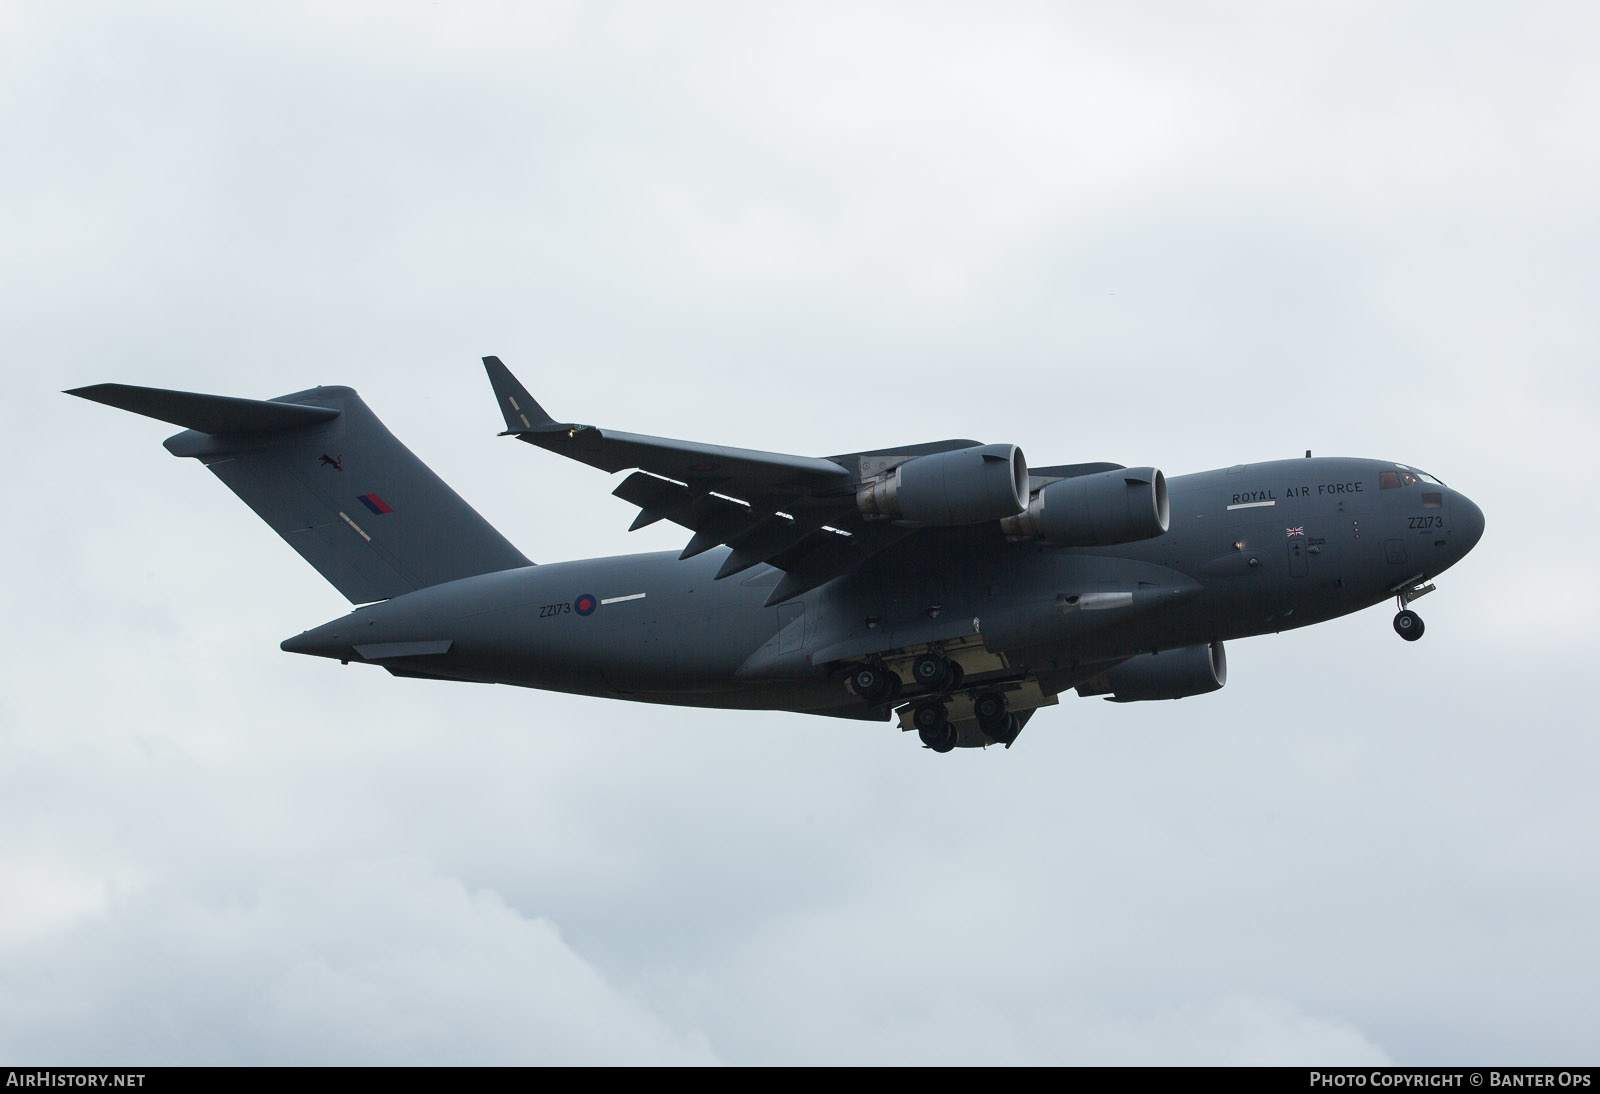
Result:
[{"x": 1251, "y": 549}]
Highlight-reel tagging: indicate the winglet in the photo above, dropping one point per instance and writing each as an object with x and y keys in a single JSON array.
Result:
[{"x": 522, "y": 413}]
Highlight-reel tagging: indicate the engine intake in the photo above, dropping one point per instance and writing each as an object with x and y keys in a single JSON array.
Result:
[
  {"x": 966, "y": 486},
  {"x": 1171, "y": 674},
  {"x": 1096, "y": 510}
]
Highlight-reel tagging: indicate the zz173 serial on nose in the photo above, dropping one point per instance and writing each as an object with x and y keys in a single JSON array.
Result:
[{"x": 948, "y": 584}]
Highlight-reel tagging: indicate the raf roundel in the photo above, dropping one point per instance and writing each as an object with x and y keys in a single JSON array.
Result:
[{"x": 585, "y": 604}]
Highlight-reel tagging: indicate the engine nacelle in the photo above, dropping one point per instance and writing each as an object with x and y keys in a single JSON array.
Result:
[
  {"x": 1096, "y": 510},
  {"x": 1171, "y": 674},
  {"x": 966, "y": 486}
]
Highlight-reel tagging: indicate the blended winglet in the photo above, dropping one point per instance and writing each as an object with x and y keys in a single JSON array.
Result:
[
  {"x": 216, "y": 414},
  {"x": 522, "y": 412}
]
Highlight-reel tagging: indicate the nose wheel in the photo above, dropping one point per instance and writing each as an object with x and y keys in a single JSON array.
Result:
[{"x": 1408, "y": 625}]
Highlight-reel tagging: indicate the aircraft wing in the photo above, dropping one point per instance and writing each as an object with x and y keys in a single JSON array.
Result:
[
  {"x": 796, "y": 513},
  {"x": 612, "y": 450}
]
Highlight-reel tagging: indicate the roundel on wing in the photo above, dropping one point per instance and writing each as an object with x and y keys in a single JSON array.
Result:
[{"x": 585, "y": 604}]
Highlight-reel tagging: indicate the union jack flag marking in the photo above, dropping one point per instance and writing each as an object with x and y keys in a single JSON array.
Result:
[{"x": 1300, "y": 531}]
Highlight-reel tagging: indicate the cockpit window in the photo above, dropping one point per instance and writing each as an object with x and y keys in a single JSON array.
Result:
[{"x": 1405, "y": 476}]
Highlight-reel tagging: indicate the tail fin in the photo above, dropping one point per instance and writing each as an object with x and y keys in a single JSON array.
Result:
[{"x": 333, "y": 482}]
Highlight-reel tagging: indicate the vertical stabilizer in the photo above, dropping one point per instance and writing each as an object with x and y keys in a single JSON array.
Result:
[{"x": 325, "y": 473}]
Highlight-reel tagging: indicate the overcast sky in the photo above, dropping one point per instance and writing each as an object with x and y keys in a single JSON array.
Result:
[{"x": 1186, "y": 235}]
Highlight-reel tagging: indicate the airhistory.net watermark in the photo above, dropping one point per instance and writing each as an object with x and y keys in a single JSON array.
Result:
[{"x": 45, "y": 1077}]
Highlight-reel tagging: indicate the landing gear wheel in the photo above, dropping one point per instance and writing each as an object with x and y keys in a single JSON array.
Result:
[
  {"x": 929, "y": 716},
  {"x": 865, "y": 680},
  {"x": 957, "y": 673},
  {"x": 940, "y": 738},
  {"x": 990, "y": 710},
  {"x": 1007, "y": 734},
  {"x": 1408, "y": 625},
  {"x": 874, "y": 683},
  {"x": 932, "y": 671}
]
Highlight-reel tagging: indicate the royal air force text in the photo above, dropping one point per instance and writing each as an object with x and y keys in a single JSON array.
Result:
[{"x": 1252, "y": 497}]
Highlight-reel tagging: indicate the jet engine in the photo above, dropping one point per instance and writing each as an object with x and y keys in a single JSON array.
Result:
[
  {"x": 966, "y": 486},
  {"x": 1170, "y": 674},
  {"x": 1096, "y": 510}
]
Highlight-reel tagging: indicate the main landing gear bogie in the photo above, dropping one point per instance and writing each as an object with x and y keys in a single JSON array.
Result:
[
  {"x": 931, "y": 719},
  {"x": 933, "y": 726},
  {"x": 937, "y": 677},
  {"x": 934, "y": 674},
  {"x": 995, "y": 717}
]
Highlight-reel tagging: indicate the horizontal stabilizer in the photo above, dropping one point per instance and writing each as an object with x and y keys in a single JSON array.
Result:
[{"x": 207, "y": 413}]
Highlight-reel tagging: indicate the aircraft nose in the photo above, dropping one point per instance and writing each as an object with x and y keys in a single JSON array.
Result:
[{"x": 1468, "y": 521}]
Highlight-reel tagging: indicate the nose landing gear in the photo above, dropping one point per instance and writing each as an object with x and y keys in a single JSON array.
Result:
[{"x": 1407, "y": 623}]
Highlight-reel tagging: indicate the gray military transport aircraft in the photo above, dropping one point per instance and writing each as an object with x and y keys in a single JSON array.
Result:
[{"x": 948, "y": 583}]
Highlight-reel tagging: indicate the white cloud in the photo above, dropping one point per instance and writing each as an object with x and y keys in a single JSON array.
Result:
[{"x": 373, "y": 962}]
